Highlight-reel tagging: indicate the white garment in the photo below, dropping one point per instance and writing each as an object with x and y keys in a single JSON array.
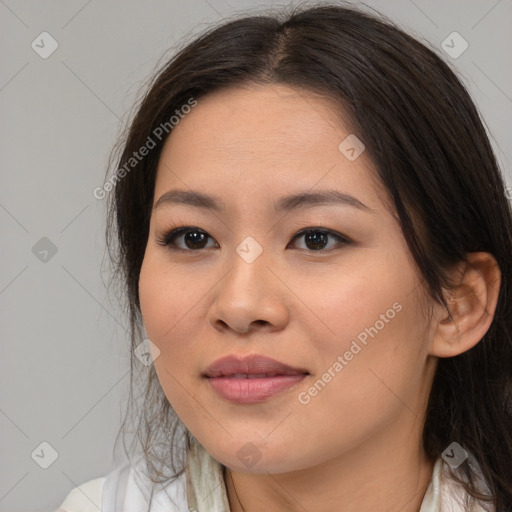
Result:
[{"x": 201, "y": 489}]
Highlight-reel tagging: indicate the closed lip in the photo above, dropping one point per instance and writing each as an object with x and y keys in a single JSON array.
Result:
[{"x": 253, "y": 364}]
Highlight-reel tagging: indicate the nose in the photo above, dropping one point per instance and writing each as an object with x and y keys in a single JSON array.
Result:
[{"x": 250, "y": 297}]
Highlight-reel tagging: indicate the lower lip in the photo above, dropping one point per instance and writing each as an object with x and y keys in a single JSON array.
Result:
[{"x": 247, "y": 391}]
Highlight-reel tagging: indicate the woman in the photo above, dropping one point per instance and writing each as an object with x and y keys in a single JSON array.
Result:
[{"x": 312, "y": 229}]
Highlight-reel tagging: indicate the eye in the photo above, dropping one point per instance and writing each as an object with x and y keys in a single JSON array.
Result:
[
  {"x": 193, "y": 239},
  {"x": 317, "y": 239}
]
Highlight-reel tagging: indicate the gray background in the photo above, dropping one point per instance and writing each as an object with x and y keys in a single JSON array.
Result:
[{"x": 64, "y": 361}]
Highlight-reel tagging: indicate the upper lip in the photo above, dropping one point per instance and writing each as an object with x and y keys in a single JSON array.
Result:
[{"x": 251, "y": 364}]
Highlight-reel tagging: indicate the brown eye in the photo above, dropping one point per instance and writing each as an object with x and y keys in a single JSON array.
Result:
[
  {"x": 190, "y": 239},
  {"x": 318, "y": 239},
  {"x": 193, "y": 239}
]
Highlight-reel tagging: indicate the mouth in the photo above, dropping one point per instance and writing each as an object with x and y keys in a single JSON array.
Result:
[
  {"x": 252, "y": 379},
  {"x": 253, "y": 366},
  {"x": 255, "y": 375}
]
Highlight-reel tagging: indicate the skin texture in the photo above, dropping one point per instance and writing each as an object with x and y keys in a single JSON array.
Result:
[{"x": 356, "y": 445}]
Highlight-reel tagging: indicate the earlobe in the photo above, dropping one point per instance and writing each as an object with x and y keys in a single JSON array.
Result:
[{"x": 472, "y": 302}]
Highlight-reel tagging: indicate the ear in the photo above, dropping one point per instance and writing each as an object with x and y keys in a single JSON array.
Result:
[{"x": 472, "y": 302}]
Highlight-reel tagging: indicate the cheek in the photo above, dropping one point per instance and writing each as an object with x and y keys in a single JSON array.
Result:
[
  {"x": 165, "y": 303},
  {"x": 373, "y": 359},
  {"x": 173, "y": 309},
  {"x": 366, "y": 325},
  {"x": 345, "y": 305},
  {"x": 155, "y": 302},
  {"x": 166, "y": 299}
]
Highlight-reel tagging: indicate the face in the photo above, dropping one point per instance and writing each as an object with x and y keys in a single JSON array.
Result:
[{"x": 327, "y": 287}]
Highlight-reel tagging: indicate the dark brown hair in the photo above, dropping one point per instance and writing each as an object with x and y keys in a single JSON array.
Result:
[{"x": 432, "y": 154}]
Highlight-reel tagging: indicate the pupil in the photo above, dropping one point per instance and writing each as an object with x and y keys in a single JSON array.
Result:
[
  {"x": 317, "y": 238},
  {"x": 194, "y": 237}
]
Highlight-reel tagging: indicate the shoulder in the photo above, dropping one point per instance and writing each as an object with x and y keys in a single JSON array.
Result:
[
  {"x": 126, "y": 488},
  {"x": 84, "y": 498}
]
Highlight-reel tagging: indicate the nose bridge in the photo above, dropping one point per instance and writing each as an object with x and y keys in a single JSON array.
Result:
[
  {"x": 249, "y": 266},
  {"x": 248, "y": 292}
]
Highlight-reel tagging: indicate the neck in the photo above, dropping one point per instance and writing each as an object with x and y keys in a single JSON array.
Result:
[{"x": 381, "y": 481}]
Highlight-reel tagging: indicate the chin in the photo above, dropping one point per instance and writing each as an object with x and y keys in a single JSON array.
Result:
[{"x": 256, "y": 457}]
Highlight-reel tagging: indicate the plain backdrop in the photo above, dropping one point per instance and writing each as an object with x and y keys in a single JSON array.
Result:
[{"x": 64, "y": 347}]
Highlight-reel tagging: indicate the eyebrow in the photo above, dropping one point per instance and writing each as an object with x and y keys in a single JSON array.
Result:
[{"x": 285, "y": 204}]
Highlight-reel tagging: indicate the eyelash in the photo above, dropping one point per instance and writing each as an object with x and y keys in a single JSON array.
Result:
[{"x": 167, "y": 239}]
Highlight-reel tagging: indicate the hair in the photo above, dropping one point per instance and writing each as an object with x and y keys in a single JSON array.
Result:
[{"x": 431, "y": 152}]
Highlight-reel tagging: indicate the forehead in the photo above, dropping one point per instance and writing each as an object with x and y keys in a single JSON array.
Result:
[
  {"x": 251, "y": 118},
  {"x": 259, "y": 138}
]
